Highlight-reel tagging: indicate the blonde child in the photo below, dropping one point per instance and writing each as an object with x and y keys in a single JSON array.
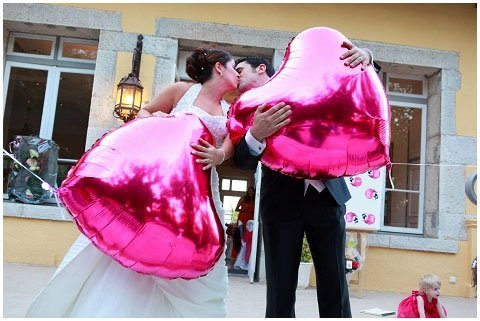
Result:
[{"x": 423, "y": 303}]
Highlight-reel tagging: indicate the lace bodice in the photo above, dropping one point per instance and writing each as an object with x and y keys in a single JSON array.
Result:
[{"x": 216, "y": 124}]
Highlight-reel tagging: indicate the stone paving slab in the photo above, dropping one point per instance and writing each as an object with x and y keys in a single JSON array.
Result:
[{"x": 21, "y": 283}]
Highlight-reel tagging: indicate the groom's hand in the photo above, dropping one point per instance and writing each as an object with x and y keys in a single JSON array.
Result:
[
  {"x": 355, "y": 56},
  {"x": 266, "y": 123}
]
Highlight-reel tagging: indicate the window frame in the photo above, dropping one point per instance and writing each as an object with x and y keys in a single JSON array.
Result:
[
  {"x": 76, "y": 41},
  {"x": 50, "y": 122},
  {"x": 230, "y": 192},
  {"x": 407, "y": 77},
  {"x": 54, "y": 66},
  {"x": 6, "y": 79},
  {"x": 14, "y": 35},
  {"x": 419, "y": 230},
  {"x": 51, "y": 91}
]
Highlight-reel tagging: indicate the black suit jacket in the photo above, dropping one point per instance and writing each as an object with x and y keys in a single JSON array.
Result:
[{"x": 281, "y": 196}]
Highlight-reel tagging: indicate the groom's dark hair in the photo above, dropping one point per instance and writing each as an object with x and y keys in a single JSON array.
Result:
[{"x": 257, "y": 61}]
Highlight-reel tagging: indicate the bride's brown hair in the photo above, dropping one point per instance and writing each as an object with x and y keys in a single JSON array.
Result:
[{"x": 200, "y": 63}]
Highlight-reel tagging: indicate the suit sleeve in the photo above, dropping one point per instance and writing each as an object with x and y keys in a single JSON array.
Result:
[{"x": 243, "y": 159}]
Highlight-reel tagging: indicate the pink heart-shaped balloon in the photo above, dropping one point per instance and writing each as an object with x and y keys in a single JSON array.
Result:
[
  {"x": 141, "y": 198},
  {"x": 340, "y": 122}
]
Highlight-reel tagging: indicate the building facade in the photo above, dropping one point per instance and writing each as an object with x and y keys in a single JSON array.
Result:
[{"x": 74, "y": 55}]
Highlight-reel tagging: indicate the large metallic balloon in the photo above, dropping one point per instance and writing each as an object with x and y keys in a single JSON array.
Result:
[
  {"x": 141, "y": 198},
  {"x": 340, "y": 122}
]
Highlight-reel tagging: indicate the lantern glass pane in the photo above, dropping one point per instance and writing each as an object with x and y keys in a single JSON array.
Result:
[
  {"x": 119, "y": 95},
  {"x": 138, "y": 98},
  {"x": 127, "y": 96}
]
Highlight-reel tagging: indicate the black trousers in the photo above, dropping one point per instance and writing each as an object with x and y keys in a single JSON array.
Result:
[{"x": 322, "y": 219}]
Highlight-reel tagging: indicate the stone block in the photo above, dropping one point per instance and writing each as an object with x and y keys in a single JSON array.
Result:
[
  {"x": 451, "y": 190},
  {"x": 431, "y": 189},
  {"x": 101, "y": 111},
  {"x": 452, "y": 226},
  {"x": 431, "y": 224},
  {"x": 433, "y": 115},
  {"x": 424, "y": 244},
  {"x": 448, "y": 115},
  {"x": 435, "y": 84},
  {"x": 378, "y": 240},
  {"x": 223, "y": 33},
  {"x": 457, "y": 150},
  {"x": 164, "y": 74},
  {"x": 94, "y": 133},
  {"x": 62, "y": 16},
  {"x": 433, "y": 150},
  {"x": 451, "y": 79}
]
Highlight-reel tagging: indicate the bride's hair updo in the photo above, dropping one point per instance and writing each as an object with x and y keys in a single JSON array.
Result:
[{"x": 201, "y": 62}]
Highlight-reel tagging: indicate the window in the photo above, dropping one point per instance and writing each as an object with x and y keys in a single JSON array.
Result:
[
  {"x": 403, "y": 210},
  {"x": 48, "y": 98},
  {"x": 77, "y": 50},
  {"x": 27, "y": 45},
  {"x": 401, "y": 85},
  {"x": 232, "y": 190}
]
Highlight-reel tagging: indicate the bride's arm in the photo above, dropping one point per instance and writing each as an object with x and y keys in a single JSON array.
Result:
[
  {"x": 212, "y": 156},
  {"x": 164, "y": 101}
]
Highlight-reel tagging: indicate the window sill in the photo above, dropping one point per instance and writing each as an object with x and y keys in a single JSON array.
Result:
[
  {"x": 412, "y": 242},
  {"x": 43, "y": 212}
]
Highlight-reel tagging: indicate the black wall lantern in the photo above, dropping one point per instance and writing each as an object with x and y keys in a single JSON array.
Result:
[{"x": 130, "y": 89}]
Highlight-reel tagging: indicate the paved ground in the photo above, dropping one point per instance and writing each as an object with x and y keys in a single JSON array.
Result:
[{"x": 21, "y": 283}]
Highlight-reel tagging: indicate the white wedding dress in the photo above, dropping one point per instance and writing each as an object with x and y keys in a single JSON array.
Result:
[{"x": 89, "y": 283}]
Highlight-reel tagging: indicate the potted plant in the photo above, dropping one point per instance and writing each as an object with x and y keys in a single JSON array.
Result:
[{"x": 306, "y": 264}]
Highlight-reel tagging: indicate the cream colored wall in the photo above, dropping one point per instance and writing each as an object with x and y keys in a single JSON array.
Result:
[
  {"x": 400, "y": 270},
  {"x": 449, "y": 27},
  {"x": 41, "y": 242}
]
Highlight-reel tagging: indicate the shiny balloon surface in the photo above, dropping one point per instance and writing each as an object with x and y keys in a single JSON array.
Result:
[
  {"x": 141, "y": 198},
  {"x": 340, "y": 122}
]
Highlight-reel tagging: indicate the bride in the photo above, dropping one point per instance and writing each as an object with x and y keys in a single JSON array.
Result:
[{"x": 89, "y": 283}]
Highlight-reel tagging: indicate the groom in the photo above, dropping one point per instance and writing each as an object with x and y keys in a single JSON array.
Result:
[{"x": 290, "y": 207}]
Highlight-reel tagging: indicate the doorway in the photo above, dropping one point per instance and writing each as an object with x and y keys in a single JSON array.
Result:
[{"x": 234, "y": 184}]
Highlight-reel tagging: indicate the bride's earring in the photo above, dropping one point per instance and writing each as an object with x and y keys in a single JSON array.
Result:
[{"x": 221, "y": 73}]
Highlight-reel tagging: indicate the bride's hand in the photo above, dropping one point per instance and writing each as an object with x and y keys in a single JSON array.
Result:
[
  {"x": 158, "y": 114},
  {"x": 208, "y": 154},
  {"x": 143, "y": 113}
]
